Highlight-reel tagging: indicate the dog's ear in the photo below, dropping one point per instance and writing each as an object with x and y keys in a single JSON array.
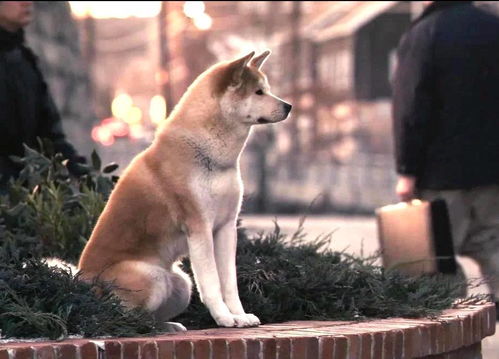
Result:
[
  {"x": 258, "y": 61},
  {"x": 236, "y": 68}
]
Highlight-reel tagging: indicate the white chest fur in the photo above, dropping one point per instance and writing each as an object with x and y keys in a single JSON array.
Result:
[{"x": 219, "y": 194}]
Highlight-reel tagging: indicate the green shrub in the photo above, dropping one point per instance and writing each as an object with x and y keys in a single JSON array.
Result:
[
  {"x": 40, "y": 301},
  {"x": 282, "y": 280},
  {"x": 48, "y": 213}
]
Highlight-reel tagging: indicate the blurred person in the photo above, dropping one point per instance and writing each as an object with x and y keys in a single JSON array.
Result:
[
  {"x": 446, "y": 123},
  {"x": 27, "y": 110}
]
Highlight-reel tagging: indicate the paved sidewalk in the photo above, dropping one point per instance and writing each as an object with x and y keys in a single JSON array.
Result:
[{"x": 356, "y": 235}]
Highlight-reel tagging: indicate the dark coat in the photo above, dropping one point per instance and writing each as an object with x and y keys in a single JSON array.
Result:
[
  {"x": 446, "y": 98},
  {"x": 27, "y": 110}
]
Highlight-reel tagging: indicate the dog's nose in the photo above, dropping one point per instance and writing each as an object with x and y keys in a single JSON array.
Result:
[{"x": 287, "y": 107}]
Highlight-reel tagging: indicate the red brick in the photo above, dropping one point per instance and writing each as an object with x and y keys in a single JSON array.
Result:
[
  {"x": 313, "y": 348},
  {"x": 149, "y": 350},
  {"x": 113, "y": 350},
  {"x": 284, "y": 348},
  {"x": 253, "y": 349},
  {"x": 449, "y": 335},
  {"x": 45, "y": 352},
  {"x": 166, "y": 349},
  {"x": 461, "y": 331},
  {"x": 354, "y": 346},
  {"x": 412, "y": 343},
  {"x": 269, "y": 349},
  {"x": 327, "y": 348},
  {"x": 299, "y": 347},
  {"x": 183, "y": 349},
  {"x": 89, "y": 351},
  {"x": 477, "y": 328},
  {"x": 237, "y": 349},
  {"x": 484, "y": 318},
  {"x": 441, "y": 338},
  {"x": 425, "y": 341},
  {"x": 366, "y": 346},
  {"x": 491, "y": 320},
  {"x": 393, "y": 338},
  {"x": 202, "y": 349},
  {"x": 389, "y": 344},
  {"x": 220, "y": 349},
  {"x": 467, "y": 331},
  {"x": 340, "y": 347},
  {"x": 398, "y": 345},
  {"x": 433, "y": 329},
  {"x": 457, "y": 333},
  {"x": 377, "y": 350},
  {"x": 492, "y": 316},
  {"x": 23, "y": 353},
  {"x": 130, "y": 350},
  {"x": 66, "y": 351}
]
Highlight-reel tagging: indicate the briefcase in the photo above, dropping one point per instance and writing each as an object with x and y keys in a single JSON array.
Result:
[{"x": 415, "y": 237}]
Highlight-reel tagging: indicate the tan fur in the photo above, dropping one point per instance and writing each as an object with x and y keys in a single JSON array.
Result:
[{"x": 181, "y": 196}]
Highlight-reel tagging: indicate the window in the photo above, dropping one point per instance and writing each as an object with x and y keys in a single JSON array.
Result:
[
  {"x": 342, "y": 70},
  {"x": 335, "y": 69}
]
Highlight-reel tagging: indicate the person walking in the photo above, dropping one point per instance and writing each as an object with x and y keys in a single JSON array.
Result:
[
  {"x": 446, "y": 123},
  {"x": 27, "y": 110}
]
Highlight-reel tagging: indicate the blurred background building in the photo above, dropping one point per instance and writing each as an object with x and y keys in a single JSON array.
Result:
[{"x": 117, "y": 68}]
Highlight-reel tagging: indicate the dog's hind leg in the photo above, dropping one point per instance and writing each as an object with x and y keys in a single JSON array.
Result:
[
  {"x": 164, "y": 293},
  {"x": 177, "y": 301}
]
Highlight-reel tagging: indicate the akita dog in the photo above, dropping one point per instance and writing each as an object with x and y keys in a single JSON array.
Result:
[{"x": 181, "y": 196}]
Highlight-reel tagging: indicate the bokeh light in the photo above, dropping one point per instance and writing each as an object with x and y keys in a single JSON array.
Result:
[
  {"x": 115, "y": 9},
  {"x": 194, "y": 9},
  {"x": 121, "y": 105},
  {"x": 134, "y": 116},
  {"x": 157, "y": 109},
  {"x": 203, "y": 21},
  {"x": 103, "y": 135}
]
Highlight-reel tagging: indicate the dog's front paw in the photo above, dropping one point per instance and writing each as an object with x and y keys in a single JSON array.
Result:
[
  {"x": 246, "y": 320},
  {"x": 225, "y": 320}
]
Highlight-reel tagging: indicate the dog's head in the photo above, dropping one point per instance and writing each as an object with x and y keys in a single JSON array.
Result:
[{"x": 245, "y": 94}]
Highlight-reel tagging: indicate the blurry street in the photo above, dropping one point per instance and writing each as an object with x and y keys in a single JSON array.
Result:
[{"x": 356, "y": 235}]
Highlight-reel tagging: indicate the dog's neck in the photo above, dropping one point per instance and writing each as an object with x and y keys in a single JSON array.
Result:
[{"x": 216, "y": 145}]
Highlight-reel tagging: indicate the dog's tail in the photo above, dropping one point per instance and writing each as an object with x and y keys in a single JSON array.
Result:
[{"x": 59, "y": 263}]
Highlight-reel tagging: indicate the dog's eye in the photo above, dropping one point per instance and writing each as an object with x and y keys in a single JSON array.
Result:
[{"x": 259, "y": 92}]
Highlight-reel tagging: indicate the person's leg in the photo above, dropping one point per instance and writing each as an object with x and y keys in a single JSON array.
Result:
[
  {"x": 459, "y": 216},
  {"x": 482, "y": 242}
]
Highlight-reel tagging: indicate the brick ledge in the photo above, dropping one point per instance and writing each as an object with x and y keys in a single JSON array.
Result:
[{"x": 454, "y": 333}]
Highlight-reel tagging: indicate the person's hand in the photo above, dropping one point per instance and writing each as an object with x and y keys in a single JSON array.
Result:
[{"x": 406, "y": 187}]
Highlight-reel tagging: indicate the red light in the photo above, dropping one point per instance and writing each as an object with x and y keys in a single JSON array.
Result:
[
  {"x": 103, "y": 135},
  {"x": 117, "y": 127}
]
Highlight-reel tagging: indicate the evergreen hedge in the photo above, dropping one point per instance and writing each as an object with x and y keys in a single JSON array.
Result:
[{"x": 49, "y": 214}]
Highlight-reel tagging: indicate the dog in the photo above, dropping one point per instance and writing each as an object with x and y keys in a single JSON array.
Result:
[{"x": 182, "y": 196}]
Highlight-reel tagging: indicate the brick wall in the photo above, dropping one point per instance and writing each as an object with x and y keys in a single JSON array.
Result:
[{"x": 456, "y": 334}]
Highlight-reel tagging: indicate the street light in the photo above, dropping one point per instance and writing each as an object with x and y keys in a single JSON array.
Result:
[
  {"x": 157, "y": 109},
  {"x": 121, "y": 105},
  {"x": 195, "y": 10},
  {"x": 115, "y": 9},
  {"x": 203, "y": 21}
]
